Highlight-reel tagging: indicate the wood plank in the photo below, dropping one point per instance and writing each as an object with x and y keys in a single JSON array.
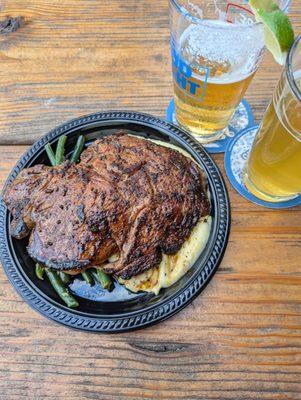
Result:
[{"x": 72, "y": 60}]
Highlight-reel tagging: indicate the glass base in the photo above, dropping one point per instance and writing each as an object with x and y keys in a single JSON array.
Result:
[
  {"x": 206, "y": 137},
  {"x": 242, "y": 118},
  {"x": 252, "y": 188}
]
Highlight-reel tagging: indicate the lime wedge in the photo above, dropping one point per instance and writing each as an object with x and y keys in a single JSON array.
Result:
[{"x": 278, "y": 30}]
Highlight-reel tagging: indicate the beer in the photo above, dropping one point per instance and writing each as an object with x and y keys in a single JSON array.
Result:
[
  {"x": 212, "y": 69},
  {"x": 273, "y": 171},
  {"x": 213, "y": 114}
]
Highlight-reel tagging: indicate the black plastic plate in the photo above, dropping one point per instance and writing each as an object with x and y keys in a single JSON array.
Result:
[{"x": 118, "y": 310}]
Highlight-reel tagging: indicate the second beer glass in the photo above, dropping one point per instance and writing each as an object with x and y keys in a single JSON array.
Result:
[
  {"x": 273, "y": 170},
  {"x": 216, "y": 48}
]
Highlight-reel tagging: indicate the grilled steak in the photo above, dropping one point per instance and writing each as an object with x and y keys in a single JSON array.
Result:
[{"x": 127, "y": 196}]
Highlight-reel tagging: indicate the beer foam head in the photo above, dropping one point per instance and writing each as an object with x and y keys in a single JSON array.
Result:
[{"x": 230, "y": 51}]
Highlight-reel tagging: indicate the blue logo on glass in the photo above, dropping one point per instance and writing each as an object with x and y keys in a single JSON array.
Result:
[{"x": 193, "y": 84}]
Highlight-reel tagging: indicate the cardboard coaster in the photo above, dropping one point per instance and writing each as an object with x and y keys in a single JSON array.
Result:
[
  {"x": 242, "y": 118},
  {"x": 235, "y": 158}
]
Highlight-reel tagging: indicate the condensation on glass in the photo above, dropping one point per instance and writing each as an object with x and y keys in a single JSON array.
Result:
[{"x": 216, "y": 47}]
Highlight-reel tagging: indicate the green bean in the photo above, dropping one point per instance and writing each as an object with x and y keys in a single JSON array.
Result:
[
  {"x": 78, "y": 148},
  {"x": 64, "y": 277},
  {"x": 58, "y": 286},
  {"x": 39, "y": 271},
  {"x": 50, "y": 154},
  {"x": 60, "y": 150},
  {"x": 88, "y": 278},
  {"x": 103, "y": 279}
]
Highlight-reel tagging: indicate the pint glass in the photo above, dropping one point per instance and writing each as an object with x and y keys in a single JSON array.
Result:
[
  {"x": 273, "y": 170},
  {"x": 216, "y": 47}
]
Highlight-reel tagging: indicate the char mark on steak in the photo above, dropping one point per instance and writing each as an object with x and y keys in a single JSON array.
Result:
[{"x": 127, "y": 196}]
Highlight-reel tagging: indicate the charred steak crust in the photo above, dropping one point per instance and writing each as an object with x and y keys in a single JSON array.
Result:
[{"x": 127, "y": 196}]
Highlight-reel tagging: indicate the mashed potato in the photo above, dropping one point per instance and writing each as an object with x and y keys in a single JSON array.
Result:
[{"x": 172, "y": 267}]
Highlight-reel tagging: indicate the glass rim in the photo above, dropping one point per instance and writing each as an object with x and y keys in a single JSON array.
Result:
[
  {"x": 289, "y": 69},
  {"x": 197, "y": 20}
]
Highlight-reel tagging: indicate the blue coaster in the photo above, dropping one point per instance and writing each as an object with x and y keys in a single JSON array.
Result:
[
  {"x": 242, "y": 118},
  {"x": 235, "y": 157}
]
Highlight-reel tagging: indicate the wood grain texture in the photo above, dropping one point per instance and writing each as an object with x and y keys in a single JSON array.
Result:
[{"x": 241, "y": 338}]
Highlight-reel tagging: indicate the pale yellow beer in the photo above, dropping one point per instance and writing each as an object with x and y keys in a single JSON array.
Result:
[
  {"x": 273, "y": 171},
  {"x": 214, "y": 112},
  {"x": 212, "y": 69}
]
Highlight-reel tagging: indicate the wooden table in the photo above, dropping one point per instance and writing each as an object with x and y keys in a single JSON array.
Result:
[{"x": 241, "y": 338}]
